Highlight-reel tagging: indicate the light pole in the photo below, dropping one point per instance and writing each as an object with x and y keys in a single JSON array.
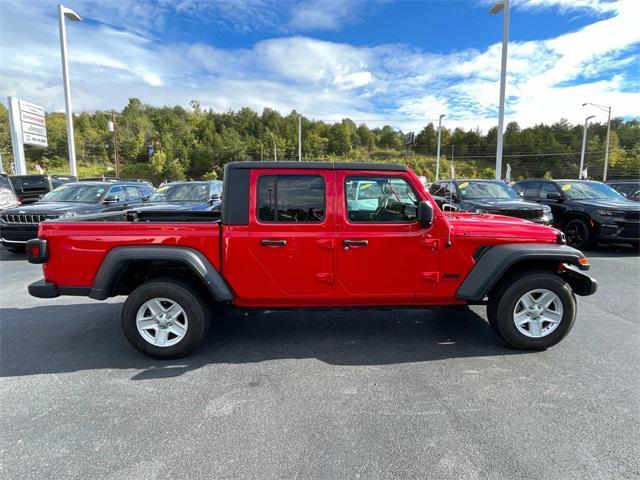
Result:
[
  {"x": 438, "y": 153},
  {"x": 606, "y": 151},
  {"x": 584, "y": 145},
  {"x": 499, "y": 6},
  {"x": 299, "y": 138},
  {"x": 275, "y": 148},
  {"x": 74, "y": 17}
]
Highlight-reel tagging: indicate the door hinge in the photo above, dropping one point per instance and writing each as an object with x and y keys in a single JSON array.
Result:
[
  {"x": 328, "y": 244},
  {"x": 324, "y": 277},
  {"x": 430, "y": 243}
]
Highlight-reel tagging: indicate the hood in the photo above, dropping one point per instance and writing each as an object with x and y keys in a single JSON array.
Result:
[
  {"x": 176, "y": 206},
  {"x": 498, "y": 226},
  {"x": 622, "y": 204},
  {"x": 60, "y": 208},
  {"x": 507, "y": 204}
]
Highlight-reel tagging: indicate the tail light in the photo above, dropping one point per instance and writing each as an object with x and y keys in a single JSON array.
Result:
[{"x": 37, "y": 251}]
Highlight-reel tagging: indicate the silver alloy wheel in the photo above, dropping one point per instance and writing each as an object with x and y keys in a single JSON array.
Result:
[
  {"x": 538, "y": 313},
  {"x": 162, "y": 322}
]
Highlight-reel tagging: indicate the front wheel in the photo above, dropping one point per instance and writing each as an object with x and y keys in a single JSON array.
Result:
[
  {"x": 165, "y": 319},
  {"x": 533, "y": 311},
  {"x": 578, "y": 233}
]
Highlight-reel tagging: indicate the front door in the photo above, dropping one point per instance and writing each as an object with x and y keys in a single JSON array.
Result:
[
  {"x": 383, "y": 254},
  {"x": 291, "y": 237}
]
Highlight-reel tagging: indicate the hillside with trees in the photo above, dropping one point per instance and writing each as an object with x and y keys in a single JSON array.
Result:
[{"x": 161, "y": 143}]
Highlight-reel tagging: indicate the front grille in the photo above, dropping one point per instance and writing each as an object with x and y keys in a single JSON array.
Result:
[
  {"x": 526, "y": 214},
  {"x": 633, "y": 216},
  {"x": 25, "y": 219}
]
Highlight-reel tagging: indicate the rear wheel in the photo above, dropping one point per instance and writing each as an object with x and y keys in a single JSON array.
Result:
[
  {"x": 533, "y": 311},
  {"x": 165, "y": 319},
  {"x": 578, "y": 233}
]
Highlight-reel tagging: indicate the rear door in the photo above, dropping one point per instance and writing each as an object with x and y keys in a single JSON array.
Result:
[
  {"x": 383, "y": 254},
  {"x": 291, "y": 237}
]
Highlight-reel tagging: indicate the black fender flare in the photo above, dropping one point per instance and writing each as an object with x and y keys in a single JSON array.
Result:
[
  {"x": 195, "y": 260},
  {"x": 495, "y": 261}
]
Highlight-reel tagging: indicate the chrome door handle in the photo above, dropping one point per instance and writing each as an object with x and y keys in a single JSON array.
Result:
[
  {"x": 355, "y": 243},
  {"x": 274, "y": 243}
]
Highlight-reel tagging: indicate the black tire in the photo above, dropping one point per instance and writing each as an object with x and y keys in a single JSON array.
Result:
[
  {"x": 579, "y": 234},
  {"x": 195, "y": 308},
  {"x": 15, "y": 248},
  {"x": 502, "y": 304}
]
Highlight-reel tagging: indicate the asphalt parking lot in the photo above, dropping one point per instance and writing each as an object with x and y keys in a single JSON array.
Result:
[{"x": 386, "y": 394}]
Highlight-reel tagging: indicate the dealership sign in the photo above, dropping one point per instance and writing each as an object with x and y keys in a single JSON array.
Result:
[
  {"x": 28, "y": 127},
  {"x": 33, "y": 124}
]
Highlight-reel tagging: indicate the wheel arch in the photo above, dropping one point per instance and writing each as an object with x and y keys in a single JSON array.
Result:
[
  {"x": 124, "y": 268},
  {"x": 499, "y": 263}
]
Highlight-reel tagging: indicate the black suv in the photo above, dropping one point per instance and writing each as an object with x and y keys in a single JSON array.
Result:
[
  {"x": 487, "y": 196},
  {"x": 628, "y": 188},
  {"x": 587, "y": 211},
  {"x": 19, "y": 224},
  {"x": 30, "y": 188}
]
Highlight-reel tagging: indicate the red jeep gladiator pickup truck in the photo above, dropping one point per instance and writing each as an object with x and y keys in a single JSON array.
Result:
[{"x": 313, "y": 235}]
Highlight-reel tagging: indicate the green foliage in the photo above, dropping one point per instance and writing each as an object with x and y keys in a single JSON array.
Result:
[{"x": 168, "y": 143}]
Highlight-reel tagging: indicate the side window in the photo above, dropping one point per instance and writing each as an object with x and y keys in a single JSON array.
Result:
[
  {"x": 519, "y": 187},
  {"x": 132, "y": 193},
  {"x": 380, "y": 200},
  {"x": 531, "y": 190},
  {"x": 547, "y": 187},
  {"x": 116, "y": 192},
  {"x": 436, "y": 189},
  {"x": 291, "y": 198}
]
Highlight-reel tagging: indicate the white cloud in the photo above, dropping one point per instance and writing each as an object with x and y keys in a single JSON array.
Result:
[
  {"x": 548, "y": 79},
  {"x": 323, "y": 14}
]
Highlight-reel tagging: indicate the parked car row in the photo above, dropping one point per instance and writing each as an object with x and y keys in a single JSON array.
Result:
[
  {"x": 587, "y": 211},
  {"x": 19, "y": 221}
]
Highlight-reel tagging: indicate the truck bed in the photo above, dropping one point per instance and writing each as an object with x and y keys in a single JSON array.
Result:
[{"x": 78, "y": 246}]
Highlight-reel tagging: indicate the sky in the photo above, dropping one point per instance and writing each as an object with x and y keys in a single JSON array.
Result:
[{"x": 378, "y": 62}]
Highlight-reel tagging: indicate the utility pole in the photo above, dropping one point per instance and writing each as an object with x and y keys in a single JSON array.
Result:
[
  {"x": 275, "y": 148},
  {"x": 74, "y": 17},
  {"x": 584, "y": 145},
  {"x": 116, "y": 157},
  {"x": 498, "y": 7},
  {"x": 439, "y": 139},
  {"x": 606, "y": 151},
  {"x": 299, "y": 138}
]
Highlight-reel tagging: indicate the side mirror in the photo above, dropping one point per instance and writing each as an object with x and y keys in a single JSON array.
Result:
[
  {"x": 425, "y": 214},
  {"x": 111, "y": 199},
  {"x": 555, "y": 196},
  {"x": 145, "y": 198}
]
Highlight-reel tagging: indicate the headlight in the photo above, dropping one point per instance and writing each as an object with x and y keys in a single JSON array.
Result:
[
  {"x": 610, "y": 213},
  {"x": 68, "y": 214},
  {"x": 479, "y": 210}
]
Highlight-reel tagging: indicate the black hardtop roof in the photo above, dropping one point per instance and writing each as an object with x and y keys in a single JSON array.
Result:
[{"x": 387, "y": 167}]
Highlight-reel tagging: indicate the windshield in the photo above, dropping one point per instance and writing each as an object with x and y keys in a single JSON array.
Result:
[
  {"x": 588, "y": 190},
  {"x": 182, "y": 192},
  {"x": 76, "y": 193},
  {"x": 489, "y": 190},
  {"x": 5, "y": 183}
]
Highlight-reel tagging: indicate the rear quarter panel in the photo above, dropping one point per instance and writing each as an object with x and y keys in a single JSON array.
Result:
[{"x": 76, "y": 250}]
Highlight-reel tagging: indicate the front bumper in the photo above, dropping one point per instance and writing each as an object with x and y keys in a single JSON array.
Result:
[
  {"x": 17, "y": 234},
  {"x": 612, "y": 230}
]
